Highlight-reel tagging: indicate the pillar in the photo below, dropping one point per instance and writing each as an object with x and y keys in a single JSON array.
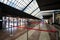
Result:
[
  {"x": 53, "y": 17},
  {"x": 0, "y": 20}
]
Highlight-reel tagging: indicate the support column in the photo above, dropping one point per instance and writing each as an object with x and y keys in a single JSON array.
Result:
[
  {"x": 0, "y": 18},
  {"x": 0, "y": 21},
  {"x": 53, "y": 17}
]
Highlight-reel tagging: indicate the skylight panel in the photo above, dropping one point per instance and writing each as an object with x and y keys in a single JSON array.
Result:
[
  {"x": 32, "y": 7},
  {"x": 18, "y": 4},
  {"x": 28, "y": 10},
  {"x": 28, "y": 6},
  {"x": 27, "y": 1},
  {"x": 5, "y": 1},
  {"x": 1, "y": 0},
  {"x": 34, "y": 4},
  {"x": 35, "y": 12}
]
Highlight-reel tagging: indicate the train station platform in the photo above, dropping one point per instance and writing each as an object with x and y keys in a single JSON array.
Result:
[
  {"x": 29, "y": 20},
  {"x": 39, "y": 32},
  {"x": 38, "y": 35}
]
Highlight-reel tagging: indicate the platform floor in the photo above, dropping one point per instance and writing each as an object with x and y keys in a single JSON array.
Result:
[
  {"x": 36, "y": 35},
  {"x": 32, "y": 34}
]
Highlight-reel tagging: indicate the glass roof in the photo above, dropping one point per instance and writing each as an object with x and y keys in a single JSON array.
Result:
[{"x": 28, "y": 6}]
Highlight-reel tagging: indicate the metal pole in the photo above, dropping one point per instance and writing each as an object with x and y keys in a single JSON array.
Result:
[
  {"x": 57, "y": 35},
  {"x": 8, "y": 24},
  {"x": 27, "y": 33},
  {"x": 27, "y": 29},
  {"x": 53, "y": 17},
  {"x": 11, "y": 31}
]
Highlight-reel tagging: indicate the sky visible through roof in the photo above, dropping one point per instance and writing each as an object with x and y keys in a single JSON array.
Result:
[{"x": 28, "y": 6}]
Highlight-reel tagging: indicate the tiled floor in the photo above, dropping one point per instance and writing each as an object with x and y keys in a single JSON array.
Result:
[
  {"x": 4, "y": 35},
  {"x": 44, "y": 35},
  {"x": 24, "y": 36},
  {"x": 32, "y": 34},
  {"x": 35, "y": 35}
]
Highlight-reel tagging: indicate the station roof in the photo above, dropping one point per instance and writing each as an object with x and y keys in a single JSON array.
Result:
[
  {"x": 28, "y": 6},
  {"x": 36, "y": 8},
  {"x": 48, "y": 4}
]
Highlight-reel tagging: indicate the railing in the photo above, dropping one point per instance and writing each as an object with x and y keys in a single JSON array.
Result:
[{"x": 54, "y": 35}]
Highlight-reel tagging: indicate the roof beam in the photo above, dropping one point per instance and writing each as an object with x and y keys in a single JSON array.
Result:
[
  {"x": 36, "y": 13},
  {"x": 27, "y": 5},
  {"x": 34, "y": 10}
]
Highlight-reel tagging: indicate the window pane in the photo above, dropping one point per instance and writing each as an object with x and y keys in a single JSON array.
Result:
[
  {"x": 31, "y": 7},
  {"x": 35, "y": 12},
  {"x": 1, "y": 0}
]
